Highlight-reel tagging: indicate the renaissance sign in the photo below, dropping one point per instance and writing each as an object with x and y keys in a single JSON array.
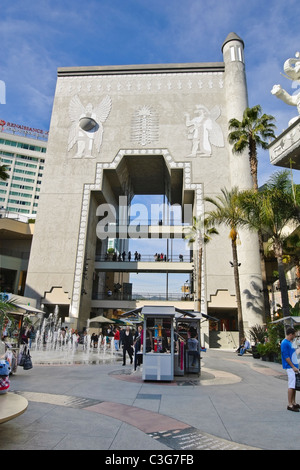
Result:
[{"x": 23, "y": 130}]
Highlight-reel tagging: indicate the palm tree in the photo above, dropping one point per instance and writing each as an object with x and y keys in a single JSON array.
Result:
[
  {"x": 270, "y": 211},
  {"x": 251, "y": 133},
  {"x": 198, "y": 235},
  {"x": 228, "y": 212},
  {"x": 4, "y": 175}
]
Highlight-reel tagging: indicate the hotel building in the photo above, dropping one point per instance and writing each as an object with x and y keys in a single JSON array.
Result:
[{"x": 23, "y": 151}]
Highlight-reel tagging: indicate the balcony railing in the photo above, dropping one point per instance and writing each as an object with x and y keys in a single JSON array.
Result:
[
  {"x": 146, "y": 296},
  {"x": 137, "y": 257}
]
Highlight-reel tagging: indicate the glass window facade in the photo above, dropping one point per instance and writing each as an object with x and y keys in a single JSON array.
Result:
[{"x": 16, "y": 194}]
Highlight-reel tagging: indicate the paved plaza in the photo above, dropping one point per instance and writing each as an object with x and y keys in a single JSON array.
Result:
[{"x": 90, "y": 402}]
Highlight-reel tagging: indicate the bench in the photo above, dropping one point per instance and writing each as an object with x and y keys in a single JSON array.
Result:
[{"x": 11, "y": 406}]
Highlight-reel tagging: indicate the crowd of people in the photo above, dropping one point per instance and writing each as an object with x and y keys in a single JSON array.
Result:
[
  {"x": 138, "y": 257},
  {"x": 122, "y": 337},
  {"x": 122, "y": 256}
]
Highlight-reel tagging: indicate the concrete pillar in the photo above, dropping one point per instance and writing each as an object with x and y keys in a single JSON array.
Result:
[
  {"x": 248, "y": 250},
  {"x": 237, "y": 102}
]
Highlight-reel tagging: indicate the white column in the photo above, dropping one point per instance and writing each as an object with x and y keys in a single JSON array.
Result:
[{"x": 236, "y": 102}]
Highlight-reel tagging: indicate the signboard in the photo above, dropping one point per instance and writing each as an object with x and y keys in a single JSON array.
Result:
[{"x": 19, "y": 129}]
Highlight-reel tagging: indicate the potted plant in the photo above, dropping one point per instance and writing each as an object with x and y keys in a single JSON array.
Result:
[
  {"x": 110, "y": 253},
  {"x": 261, "y": 350},
  {"x": 269, "y": 351},
  {"x": 258, "y": 335}
]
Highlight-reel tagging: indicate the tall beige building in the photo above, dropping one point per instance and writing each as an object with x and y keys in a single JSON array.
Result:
[{"x": 117, "y": 132}]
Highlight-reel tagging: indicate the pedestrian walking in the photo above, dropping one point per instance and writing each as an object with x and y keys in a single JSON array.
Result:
[
  {"x": 290, "y": 364},
  {"x": 138, "y": 346},
  {"x": 117, "y": 338},
  {"x": 127, "y": 340}
]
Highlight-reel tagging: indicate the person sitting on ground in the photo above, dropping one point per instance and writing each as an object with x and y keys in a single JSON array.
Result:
[{"x": 244, "y": 346}]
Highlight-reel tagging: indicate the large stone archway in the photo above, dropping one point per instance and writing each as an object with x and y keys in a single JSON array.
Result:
[{"x": 152, "y": 171}]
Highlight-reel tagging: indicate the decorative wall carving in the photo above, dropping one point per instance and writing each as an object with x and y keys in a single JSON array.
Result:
[
  {"x": 139, "y": 83},
  {"x": 204, "y": 131},
  {"x": 144, "y": 126},
  {"x": 87, "y": 126},
  {"x": 287, "y": 144}
]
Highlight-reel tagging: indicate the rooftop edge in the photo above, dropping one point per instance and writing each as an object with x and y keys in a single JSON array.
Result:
[{"x": 146, "y": 69}]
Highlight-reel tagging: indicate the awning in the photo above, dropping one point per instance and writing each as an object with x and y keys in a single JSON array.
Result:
[
  {"x": 166, "y": 310},
  {"x": 208, "y": 317},
  {"x": 28, "y": 308},
  {"x": 287, "y": 319},
  {"x": 154, "y": 310},
  {"x": 100, "y": 319},
  {"x": 133, "y": 313},
  {"x": 125, "y": 322}
]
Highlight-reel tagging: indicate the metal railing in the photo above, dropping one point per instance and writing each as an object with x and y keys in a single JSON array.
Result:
[
  {"x": 142, "y": 296},
  {"x": 137, "y": 257}
]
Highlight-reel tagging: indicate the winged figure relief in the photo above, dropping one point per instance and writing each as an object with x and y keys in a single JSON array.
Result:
[
  {"x": 204, "y": 131},
  {"x": 87, "y": 126}
]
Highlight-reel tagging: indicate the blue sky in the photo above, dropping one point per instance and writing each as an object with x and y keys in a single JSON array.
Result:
[{"x": 37, "y": 37}]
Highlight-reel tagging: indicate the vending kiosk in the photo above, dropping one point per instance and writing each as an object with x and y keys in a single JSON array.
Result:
[
  {"x": 187, "y": 355},
  {"x": 158, "y": 343},
  {"x": 171, "y": 342}
]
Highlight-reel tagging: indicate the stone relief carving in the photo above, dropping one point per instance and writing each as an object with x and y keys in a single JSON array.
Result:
[
  {"x": 204, "y": 131},
  {"x": 87, "y": 126},
  {"x": 144, "y": 126},
  {"x": 292, "y": 69},
  {"x": 136, "y": 82},
  {"x": 286, "y": 145}
]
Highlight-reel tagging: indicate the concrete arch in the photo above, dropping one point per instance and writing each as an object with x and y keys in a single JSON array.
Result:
[{"x": 191, "y": 193}]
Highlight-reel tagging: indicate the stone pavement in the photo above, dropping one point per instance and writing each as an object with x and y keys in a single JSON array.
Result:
[{"x": 80, "y": 402}]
